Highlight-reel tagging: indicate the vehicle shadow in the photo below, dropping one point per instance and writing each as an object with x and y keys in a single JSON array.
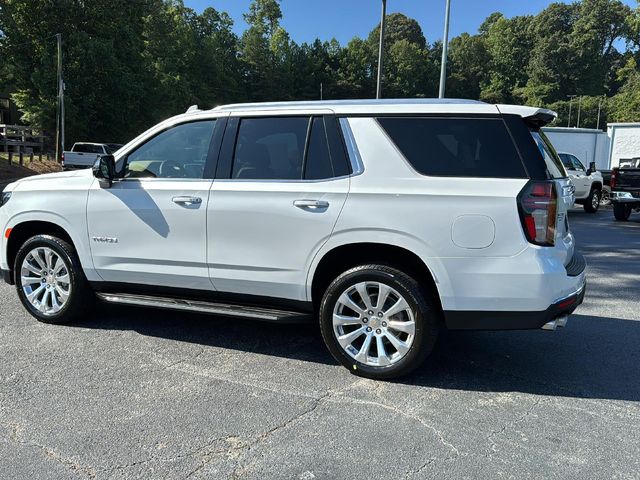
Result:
[{"x": 593, "y": 357}]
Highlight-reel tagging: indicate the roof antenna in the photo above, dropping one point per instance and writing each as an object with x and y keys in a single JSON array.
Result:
[{"x": 192, "y": 108}]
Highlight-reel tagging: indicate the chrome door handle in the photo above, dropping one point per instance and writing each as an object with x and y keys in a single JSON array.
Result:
[
  {"x": 311, "y": 204},
  {"x": 187, "y": 200}
]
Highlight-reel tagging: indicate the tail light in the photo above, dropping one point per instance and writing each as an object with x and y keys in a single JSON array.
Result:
[
  {"x": 538, "y": 206},
  {"x": 612, "y": 182},
  {"x": 62, "y": 159}
]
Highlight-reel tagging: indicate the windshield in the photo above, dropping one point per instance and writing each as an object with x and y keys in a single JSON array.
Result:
[{"x": 555, "y": 168}]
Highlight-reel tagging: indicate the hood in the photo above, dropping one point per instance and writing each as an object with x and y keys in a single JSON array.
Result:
[{"x": 49, "y": 176}]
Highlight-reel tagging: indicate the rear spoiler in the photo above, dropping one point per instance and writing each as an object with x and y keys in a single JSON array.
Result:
[{"x": 533, "y": 116}]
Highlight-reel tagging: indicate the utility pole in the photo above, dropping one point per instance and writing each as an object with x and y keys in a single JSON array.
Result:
[
  {"x": 579, "y": 108},
  {"x": 60, "y": 109},
  {"x": 599, "y": 110},
  {"x": 321, "y": 93},
  {"x": 571, "y": 97},
  {"x": 381, "y": 49},
  {"x": 445, "y": 47}
]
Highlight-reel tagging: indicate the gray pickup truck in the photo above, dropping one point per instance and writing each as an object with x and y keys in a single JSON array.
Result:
[{"x": 625, "y": 188}]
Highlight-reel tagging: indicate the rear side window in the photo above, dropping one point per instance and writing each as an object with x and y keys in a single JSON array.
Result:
[
  {"x": 270, "y": 148},
  {"x": 282, "y": 148},
  {"x": 456, "y": 147}
]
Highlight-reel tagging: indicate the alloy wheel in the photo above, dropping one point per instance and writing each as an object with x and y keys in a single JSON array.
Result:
[
  {"x": 374, "y": 323},
  {"x": 45, "y": 280}
]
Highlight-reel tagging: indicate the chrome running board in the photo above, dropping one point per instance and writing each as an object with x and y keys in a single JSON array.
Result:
[{"x": 228, "y": 310}]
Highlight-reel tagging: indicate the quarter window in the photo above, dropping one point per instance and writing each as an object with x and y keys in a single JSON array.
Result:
[
  {"x": 459, "y": 147},
  {"x": 179, "y": 152}
]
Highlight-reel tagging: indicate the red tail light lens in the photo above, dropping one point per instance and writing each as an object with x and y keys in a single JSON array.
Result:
[
  {"x": 538, "y": 206},
  {"x": 612, "y": 182}
]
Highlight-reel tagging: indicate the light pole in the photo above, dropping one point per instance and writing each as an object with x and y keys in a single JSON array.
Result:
[
  {"x": 381, "y": 50},
  {"x": 579, "y": 108},
  {"x": 445, "y": 46},
  {"x": 599, "y": 111},
  {"x": 60, "y": 109},
  {"x": 571, "y": 97}
]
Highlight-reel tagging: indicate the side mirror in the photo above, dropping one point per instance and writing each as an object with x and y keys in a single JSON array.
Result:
[
  {"x": 592, "y": 168},
  {"x": 105, "y": 170}
]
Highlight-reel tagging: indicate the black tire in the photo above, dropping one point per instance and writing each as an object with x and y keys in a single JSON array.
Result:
[
  {"x": 425, "y": 316},
  {"x": 621, "y": 212},
  {"x": 592, "y": 202},
  {"x": 606, "y": 196},
  {"x": 80, "y": 298}
]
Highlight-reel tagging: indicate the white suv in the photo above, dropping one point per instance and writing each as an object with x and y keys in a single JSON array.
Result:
[{"x": 386, "y": 220}]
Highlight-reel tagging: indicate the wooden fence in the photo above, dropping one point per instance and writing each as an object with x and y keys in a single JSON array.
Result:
[{"x": 21, "y": 141}]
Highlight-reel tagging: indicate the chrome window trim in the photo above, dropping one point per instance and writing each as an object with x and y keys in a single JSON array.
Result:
[
  {"x": 275, "y": 180},
  {"x": 357, "y": 166}
]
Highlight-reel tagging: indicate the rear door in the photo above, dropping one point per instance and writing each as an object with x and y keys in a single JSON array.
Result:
[{"x": 280, "y": 186}]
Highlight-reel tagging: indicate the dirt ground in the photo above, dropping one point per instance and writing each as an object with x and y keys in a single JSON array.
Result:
[{"x": 8, "y": 173}]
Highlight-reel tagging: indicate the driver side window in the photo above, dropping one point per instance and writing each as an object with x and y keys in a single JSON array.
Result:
[
  {"x": 179, "y": 152},
  {"x": 577, "y": 164}
]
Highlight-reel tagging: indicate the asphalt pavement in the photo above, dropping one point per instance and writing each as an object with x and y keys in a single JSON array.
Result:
[{"x": 138, "y": 393}]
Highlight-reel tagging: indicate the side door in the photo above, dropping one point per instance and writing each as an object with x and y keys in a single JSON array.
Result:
[
  {"x": 150, "y": 226},
  {"x": 279, "y": 189},
  {"x": 582, "y": 181}
]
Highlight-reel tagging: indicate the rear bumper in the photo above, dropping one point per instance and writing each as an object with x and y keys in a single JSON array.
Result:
[
  {"x": 625, "y": 198},
  {"x": 560, "y": 305},
  {"x": 503, "y": 320}
]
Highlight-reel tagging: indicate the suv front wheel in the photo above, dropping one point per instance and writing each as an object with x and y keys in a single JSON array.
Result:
[
  {"x": 377, "y": 322},
  {"x": 592, "y": 202},
  {"x": 50, "y": 280}
]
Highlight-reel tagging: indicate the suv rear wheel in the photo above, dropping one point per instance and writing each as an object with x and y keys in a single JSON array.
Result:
[
  {"x": 377, "y": 322},
  {"x": 50, "y": 280},
  {"x": 592, "y": 202}
]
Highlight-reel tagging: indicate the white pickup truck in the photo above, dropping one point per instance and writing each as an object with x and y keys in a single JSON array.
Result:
[
  {"x": 84, "y": 155},
  {"x": 588, "y": 182}
]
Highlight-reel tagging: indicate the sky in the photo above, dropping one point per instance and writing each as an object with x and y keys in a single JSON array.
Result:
[{"x": 306, "y": 20}]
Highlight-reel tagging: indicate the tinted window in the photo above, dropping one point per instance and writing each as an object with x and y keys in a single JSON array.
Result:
[
  {"x": 84, "y": 148},
  {"x": 318, "y": 164},
  {"x": 460, "y": 147},
  {"x": 270, "y": 148},
  {"x": 179, "y": 152}
]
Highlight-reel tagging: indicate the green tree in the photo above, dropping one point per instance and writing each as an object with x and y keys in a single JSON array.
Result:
[
  {"x": 467, "y": 68},
  {"x": 265, "y": 51},
  {"x": 552, "y": 67},
  {"x": 509, "y": 45},
  {"x": 398, "y": 27}
]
